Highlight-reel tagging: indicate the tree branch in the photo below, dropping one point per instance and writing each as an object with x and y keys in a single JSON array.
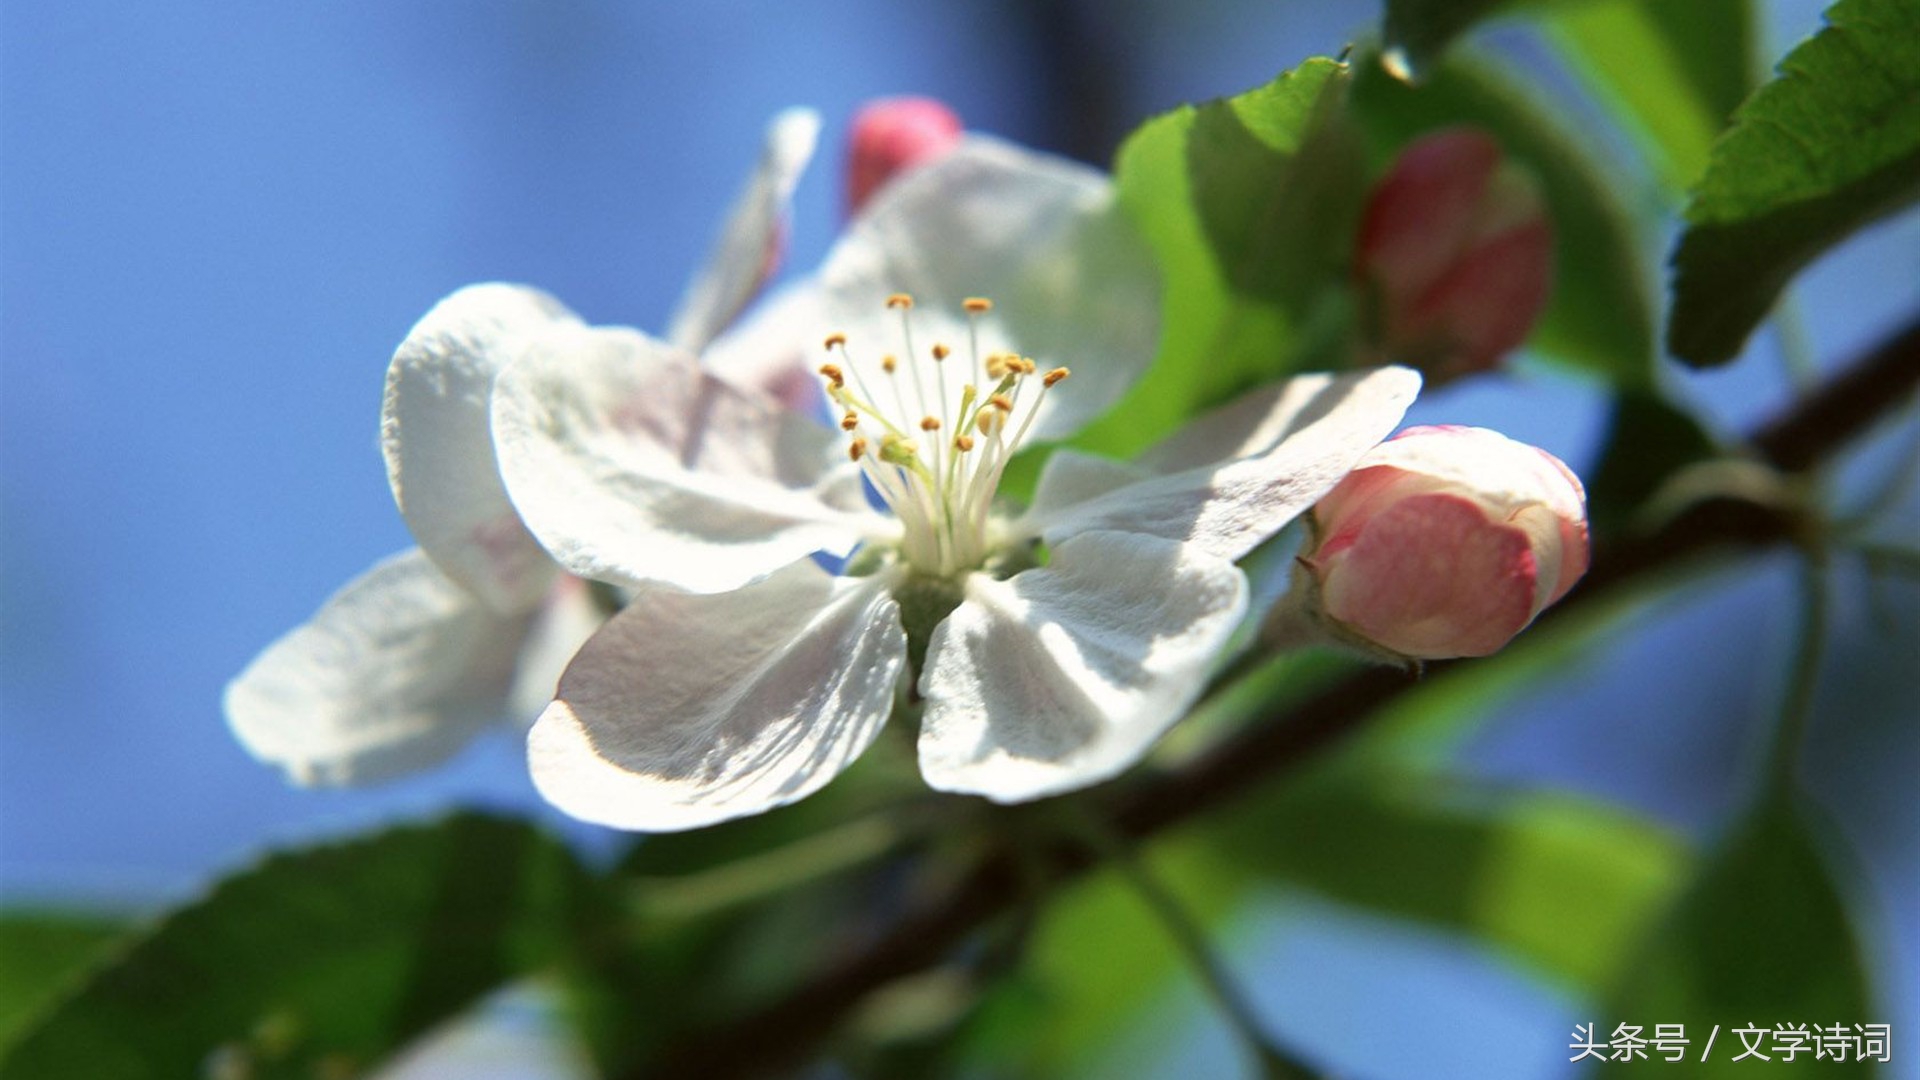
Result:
[{"x": 790, "y": 1028}]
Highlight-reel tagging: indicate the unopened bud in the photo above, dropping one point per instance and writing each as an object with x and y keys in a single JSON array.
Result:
[
  {"x": 1454, "y": 255},
  {"x": 1443, "y": 542},
  {"x": 892, "y": 135}
]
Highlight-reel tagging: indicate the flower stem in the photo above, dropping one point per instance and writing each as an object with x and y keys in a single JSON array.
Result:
[
  {"x": 1190, "y": 938},
  {"x": 1795, "y": 343},
  {"x": 811, "y": 858},
  {"x": 1796, "y": 706}
]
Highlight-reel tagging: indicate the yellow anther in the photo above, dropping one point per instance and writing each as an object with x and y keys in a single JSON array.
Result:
[
  {"x": 888, "y": 363},
  {"x": 989, "y": 421},
  {"x": 977, "y": 305},
  {"x": 857, "y": 449},
  {"x": 963, "y": 443},
  {"x": 836, "y": 340},
  {"x": 833, "y": 374},
  {"x": 1001, "y": 402},
  {"x": 899, "y": 300},
  {"x": 1054, "y": 376},
  {"x": 849, "y": 422},
  {"x": 929, "y": 423},
  {"x": 941, "y": 352},
  {"x": 1026, "y": 365},
  {"x": 899, "y": 450},
  {"x": 996, "y": 365}
]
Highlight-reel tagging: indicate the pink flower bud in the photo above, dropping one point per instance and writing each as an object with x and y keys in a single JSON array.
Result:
[
  {"x": 892, "y": 135},
  {"x": 1447, "y": 541},
  {"x": 1456, "y": 254}
]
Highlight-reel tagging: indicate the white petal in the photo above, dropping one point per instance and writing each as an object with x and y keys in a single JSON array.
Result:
[
  {"x": 1073, "y": 285},
  {"x": 749, "y": 245},
  {"x": 634, "y": 466},
  {"x": 565, "y": 621},
  {"x": 1071, "y": 477},
  {"x": 775, "y": 349},
  {"x": 439, "y": 448},
  {"x": 1062, "y": 676},
  {"x": 393, "y": 673},
  {"x": 1314, "y": 429},
  {"x": 686, "y": 709}
]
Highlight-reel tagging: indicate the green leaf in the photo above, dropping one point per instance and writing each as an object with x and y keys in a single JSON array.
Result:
[
  {"x": 1565, "y": 885},
  {"x": 40, "y": 952},
  {"x": 1097, "y": 957},
  {"x": 1599, "y": 318},
  {"x": 1763, "y": 938},
  {"x": 738, "y": 911},
  {"x": 1418, "y": 31},
  {"x": 1249, "y": 204},
  {"x": 1675, "y": 69},
  {"x": 1512, "y": 871},
  {"x": 1826, "y": 148},
  {"x": 326, "y": 959}
]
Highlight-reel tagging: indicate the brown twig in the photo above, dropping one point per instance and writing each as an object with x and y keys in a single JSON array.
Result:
[{"x": 790, "y": 1028}]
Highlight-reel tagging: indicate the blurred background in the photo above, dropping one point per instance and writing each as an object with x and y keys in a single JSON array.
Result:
[{"x": 217, "y": 219}]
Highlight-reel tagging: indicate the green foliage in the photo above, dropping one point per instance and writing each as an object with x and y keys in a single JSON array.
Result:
[
  {"x": 1762, "y": 938},
  {"x": 1563, "y": 884},
  {"x": 1829, "y": 146},
  {"x": 325, "y": 959},
  {"x": 40, "y": 953},
  {"x": 1099, "y": 956},
  {"x": 1250, "y": 205},
  {"x": 1512, "y": 871},
  {"x": 1674, "y": 70},
  {"x": 1599, "y": 318},
  {"x": 1418, "y": 31},
  {"x": 740, "y": 910}
]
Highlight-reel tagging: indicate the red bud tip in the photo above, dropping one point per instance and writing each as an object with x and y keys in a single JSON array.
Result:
[{"x": 892, "y": 135}]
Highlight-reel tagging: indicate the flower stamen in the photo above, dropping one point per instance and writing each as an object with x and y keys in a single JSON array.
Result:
[{"x": 940, "y": 480}]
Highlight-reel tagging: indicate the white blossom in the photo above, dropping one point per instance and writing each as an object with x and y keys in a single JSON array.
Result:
[
  {"x": 1059, "y": 641},
  {"x": 472, "y": 628}
]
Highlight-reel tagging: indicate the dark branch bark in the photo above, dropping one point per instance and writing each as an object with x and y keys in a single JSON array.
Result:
[
  {"x": 1847, "y": 405},
  {"x": 789, "y": 1029}
]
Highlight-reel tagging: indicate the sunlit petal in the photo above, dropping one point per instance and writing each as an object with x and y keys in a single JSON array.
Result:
[
  {"x": 633, "y": 465},
  {"x": 1241, "y": 475},
  {"x": 435, "y": 434},
  {"x": 1064, "y": 675},
  {"x": 393, "y": 673},
  {"x": 688, "y": 709}
]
